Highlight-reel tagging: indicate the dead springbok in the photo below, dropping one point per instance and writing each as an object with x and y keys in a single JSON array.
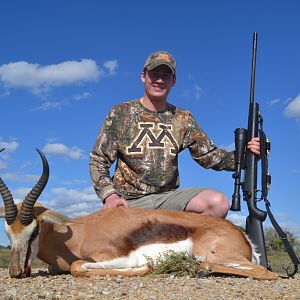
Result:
[{"x": 120, "y": 240}]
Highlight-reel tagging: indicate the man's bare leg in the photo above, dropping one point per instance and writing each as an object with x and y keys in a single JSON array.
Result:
[{"x": 209, "y": 202}]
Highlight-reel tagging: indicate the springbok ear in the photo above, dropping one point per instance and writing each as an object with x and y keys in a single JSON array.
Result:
[
  {"x": 2, "y": 212},
  {"x": 50, "y": 216}
]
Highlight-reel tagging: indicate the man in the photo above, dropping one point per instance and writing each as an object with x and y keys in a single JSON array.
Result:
[{"x": 145, "y": 136}]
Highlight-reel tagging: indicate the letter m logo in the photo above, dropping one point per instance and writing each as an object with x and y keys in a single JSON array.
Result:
[{"x": 163, "y": 140}]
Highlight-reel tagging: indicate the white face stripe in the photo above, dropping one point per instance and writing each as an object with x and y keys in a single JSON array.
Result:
[
  {"x": 17, "y": 238},
  {"x": 19, "y": 241},
  {"x": 138, "y": 258}
]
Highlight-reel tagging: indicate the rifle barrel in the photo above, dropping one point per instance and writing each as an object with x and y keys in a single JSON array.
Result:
[{"x": 252, "y": 85}]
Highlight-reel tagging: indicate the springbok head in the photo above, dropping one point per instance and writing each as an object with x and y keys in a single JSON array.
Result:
[{"x": 21, "y": 224}]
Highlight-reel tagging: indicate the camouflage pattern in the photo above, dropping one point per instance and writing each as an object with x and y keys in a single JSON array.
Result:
[
  {"x": 160, "y": 58},
  {"x": 146, "y": 145}
]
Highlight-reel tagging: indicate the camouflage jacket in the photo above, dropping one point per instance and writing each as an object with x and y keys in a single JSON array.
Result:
[{"x": 146, "y": 145}]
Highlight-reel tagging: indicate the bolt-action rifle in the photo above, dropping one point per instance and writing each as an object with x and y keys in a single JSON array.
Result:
[{"x": 247, "y": 162}]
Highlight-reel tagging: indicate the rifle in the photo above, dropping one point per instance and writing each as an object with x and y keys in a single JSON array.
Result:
[{"x": 247, "y": 161}]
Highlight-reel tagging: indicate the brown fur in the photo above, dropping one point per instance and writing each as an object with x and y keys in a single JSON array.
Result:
[
  {"x": 150, "y": 233},
  {"x": 16, "y": 226}
]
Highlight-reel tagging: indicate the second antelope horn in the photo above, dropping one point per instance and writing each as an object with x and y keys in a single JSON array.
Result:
[{"x": 26, "y": 213}]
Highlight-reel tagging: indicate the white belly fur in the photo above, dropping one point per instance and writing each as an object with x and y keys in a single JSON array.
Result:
[{"x": 138, "y": 258}]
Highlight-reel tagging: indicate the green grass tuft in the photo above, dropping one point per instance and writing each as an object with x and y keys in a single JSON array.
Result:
[{"x": 175, "y": 263}]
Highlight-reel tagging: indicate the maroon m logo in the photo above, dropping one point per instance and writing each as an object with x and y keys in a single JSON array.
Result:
[{"x": 159, "y": 141}]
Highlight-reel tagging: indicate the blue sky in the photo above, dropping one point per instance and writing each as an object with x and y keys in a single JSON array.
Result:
[{"x": 63, "y": 64}]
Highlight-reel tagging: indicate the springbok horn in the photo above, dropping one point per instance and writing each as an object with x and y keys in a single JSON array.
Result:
[
  {"x": 10, "y": 207},
  {"x": 26, "y": 213}
]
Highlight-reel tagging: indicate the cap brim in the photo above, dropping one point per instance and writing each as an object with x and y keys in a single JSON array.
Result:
[{"x": 153, "y": 66}]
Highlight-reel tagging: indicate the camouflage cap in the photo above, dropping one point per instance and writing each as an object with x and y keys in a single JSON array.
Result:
[{"x": 160, "y": 58}]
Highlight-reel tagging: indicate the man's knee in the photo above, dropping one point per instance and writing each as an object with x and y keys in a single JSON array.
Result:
[
  {"x": 219, "y": 199},
  {"x": 210, "y": 202},
  {"x": 221, "y": 204}
]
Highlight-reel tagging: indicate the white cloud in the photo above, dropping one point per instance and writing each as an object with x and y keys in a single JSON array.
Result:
[
  {"x": 39, "y": 78},
  {"x": 198, "y": 91},
  {"x": 237, "y": 219},
  {"x": 77, "y": 196},
  {"x": 111, "y": 66},
  {"x": 72, "y": 202},
  {"x": 20, "y": 177},
  {"x": 63, "y": 150},
  {"x": 20, "y": 193},
  {"x": 274, "y": 102},
  {"x": 51, "y": 105},
  {"x": 82, "y": 96},
  {"x": 9, "y": 146},
  {"x": 292, "y": 110}
]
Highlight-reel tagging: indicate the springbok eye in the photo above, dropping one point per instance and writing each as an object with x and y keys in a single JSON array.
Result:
[{"x": 34, "y": 234}]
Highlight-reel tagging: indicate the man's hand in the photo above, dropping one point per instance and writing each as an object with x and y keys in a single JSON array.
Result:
[
  {"x": 114, "y": 200},
  {"x": 254, "y": 146}
]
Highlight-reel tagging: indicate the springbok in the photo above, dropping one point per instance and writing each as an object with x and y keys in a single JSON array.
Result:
[{"x": 120, "y": 240}]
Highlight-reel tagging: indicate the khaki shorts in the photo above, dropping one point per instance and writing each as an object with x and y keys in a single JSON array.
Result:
[{"x": 172, "y": 200}]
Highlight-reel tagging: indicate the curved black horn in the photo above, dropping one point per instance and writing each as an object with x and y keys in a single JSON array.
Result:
[
  {"x": 10, "y": 207},
  {"x": 26, "y": 213}
]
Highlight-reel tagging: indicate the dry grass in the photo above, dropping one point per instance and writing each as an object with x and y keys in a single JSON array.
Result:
[
  {"x": 177, "y": 264},
  {"x": 280, "y": 260},
  {"x": 4, "y": 257}
]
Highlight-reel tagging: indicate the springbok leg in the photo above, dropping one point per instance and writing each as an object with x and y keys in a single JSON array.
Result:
[
  {"x": 240, "y": 268},
  {"x": 78, "y": 270}
]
